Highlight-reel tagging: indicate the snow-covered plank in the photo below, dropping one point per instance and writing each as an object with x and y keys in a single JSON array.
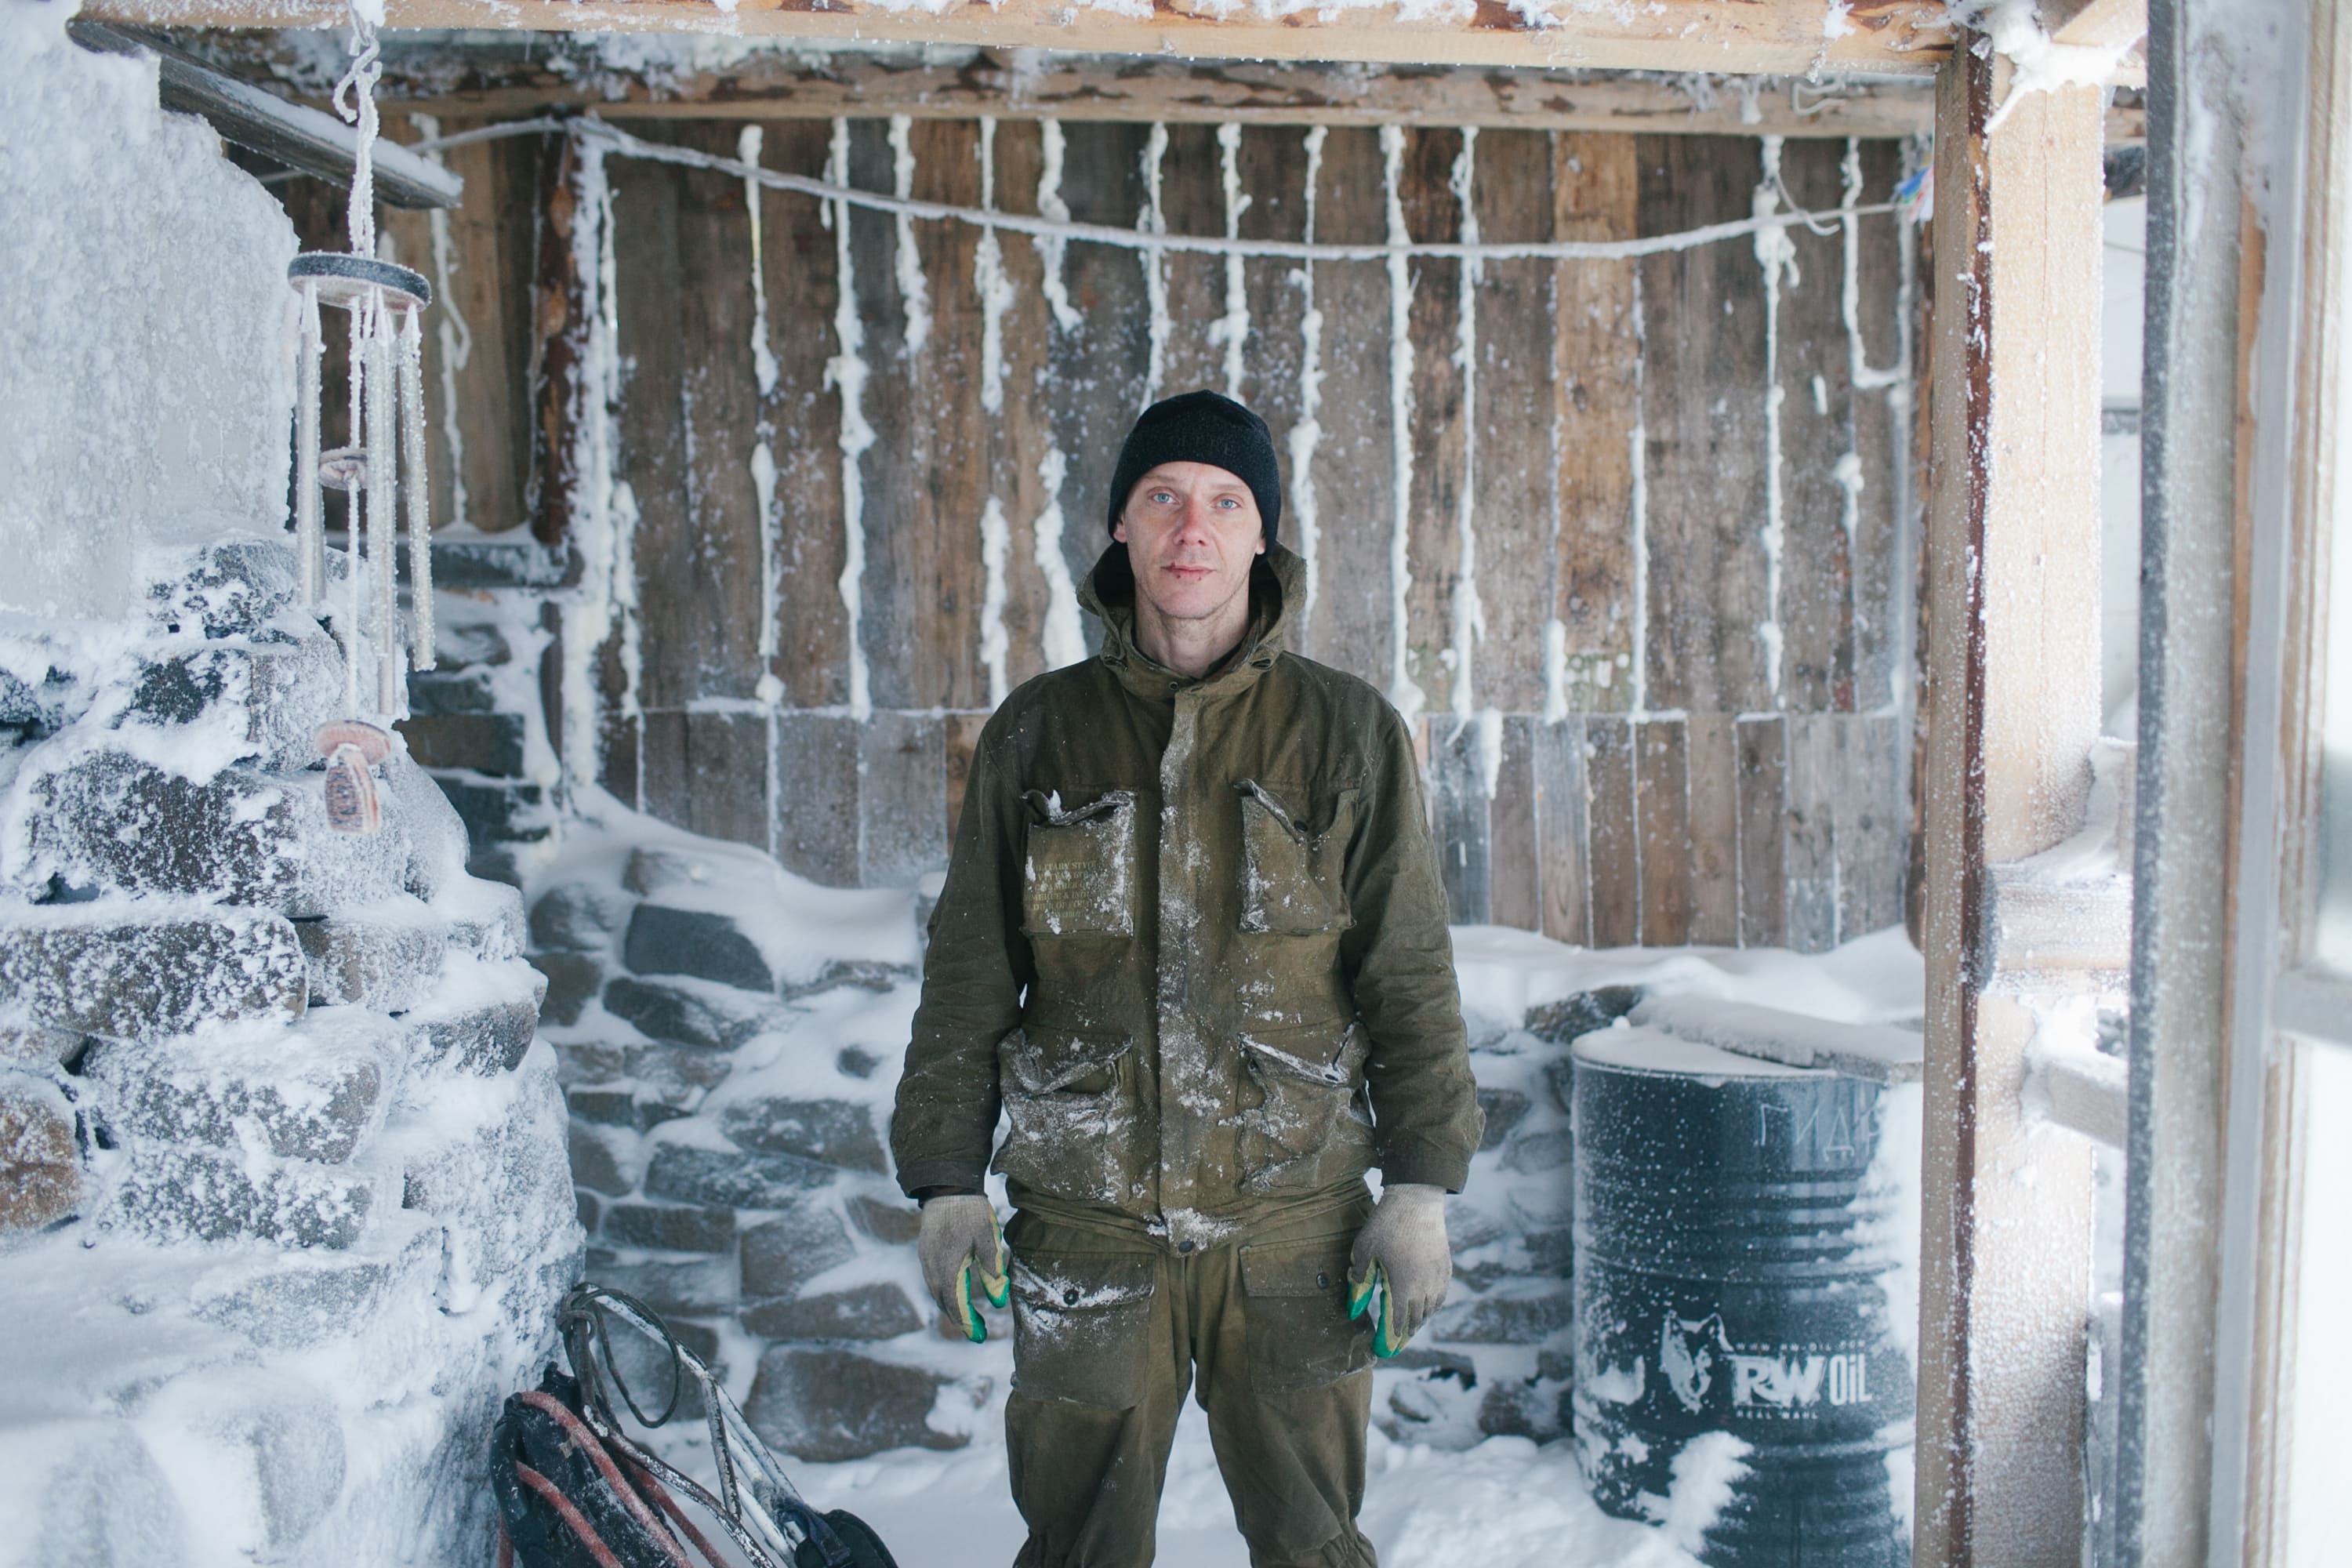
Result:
[
  {"x": 1703, "y": 407},
  {"x": 1514, "y": 885},
  {"x": 815, "y": 766},
  {"x": 1763, "y": 762},
  {"x": 1352, "y": 626},
  {"x": 1559, "y": 802},
  {"x": 1512, "y": 425},
  {"x": 796, "y": 260},
  {"x": 1713, "y": 764},
  {"x": 1458, "y": 804},
  {"x": 1813, "y": 604},
  {"x": 1433, "y": 456},
  {"x": 1905, "y": 38},
  {"x": 2013, "y": 588},
  {"x": 1879, "y": 285},
  {"x": 707, "y": 773},
  {"x": 1100, "y": 364},
  {"x": 1612, "y": 853},
  {"x": 1591, "y": 659},
  {"x": 1811, "y": 828},
  {"x": 1662, "y": 808},
  {"x": 1874, "y": 1051},
  {"x": 1872, "y": 819}
]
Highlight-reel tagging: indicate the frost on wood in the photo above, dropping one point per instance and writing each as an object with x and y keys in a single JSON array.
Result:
[
  {"x": 1469, "y": 614},
  {"x": 846, "y": 372},
  {"x": 1776, "y": 253},
  {"x": 1403, "y": 691},
  {"x": 914, "y": 292},
  {"x": 1153, "y": 220},
  {"x": 1306, "y": 432}
]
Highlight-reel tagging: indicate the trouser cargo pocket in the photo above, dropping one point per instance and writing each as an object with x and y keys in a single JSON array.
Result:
[
  {"x": 1296, "y": 1315},
  {"x": 1082, "y": 1327}
]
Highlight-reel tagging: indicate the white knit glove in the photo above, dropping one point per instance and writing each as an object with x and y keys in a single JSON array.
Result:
[
  {"x": 1402, "y": 1250},
  {"x": 961, "y": 1242}
]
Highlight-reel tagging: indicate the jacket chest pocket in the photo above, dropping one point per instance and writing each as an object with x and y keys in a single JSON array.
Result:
[
  {"x": 1292, "y": 874},
  {"x": 1078, "y": 877}
]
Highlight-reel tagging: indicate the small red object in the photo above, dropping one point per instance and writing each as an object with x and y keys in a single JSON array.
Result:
[
  {"x": 351, "y": 804},
  {"x": 372, "y": 743}
]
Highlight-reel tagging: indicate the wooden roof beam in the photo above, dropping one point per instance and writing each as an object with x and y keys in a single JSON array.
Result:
[{"x": 1787, "y": 37}]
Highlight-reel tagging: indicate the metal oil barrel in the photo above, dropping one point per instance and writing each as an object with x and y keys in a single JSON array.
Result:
[{"x": 1736, "y": 1255}]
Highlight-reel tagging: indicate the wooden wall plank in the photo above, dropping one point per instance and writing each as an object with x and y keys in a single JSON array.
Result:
[
  {"x": 1514, "y": 858},
  {"x": 1021, "y": 430},
  {"x": 1613, "y": 848},
  {"x": 1815, "y": 609},
  {"x": 1273, "y": 163},
  {"x": 901, "y": 798},
  {"x": 1433, "y": 214},
  {"x": 1703, "y": 402},
  {"x": 798, "y": 254},
  {"x": 1871, "y": 815},
  {"x": 707, "y": 773},
  {"x": 1458, "y": 800},
  {"x": 1812, "y": 824},
  {"x": 1597, "y": 409},
  {"x": 1351, "y": 624},
  {"x": 1763, "y": 761},
  {"x": 816, "y": 832},
  {"x": 1662, "y": 808},
  {"x": 1512, "y": 471},
  {"x": 1098, "y": 370},
  {"x": 959, "y": 738},
  {"x": 1566, "y": 889},
  {"x": 1714, "y": 767},
  {"x": 896, "y": 559},
  {"x": 1192, "y": 201},
  {"x": 652, "y": 424},
  {"x": 1881, "y": 441}
]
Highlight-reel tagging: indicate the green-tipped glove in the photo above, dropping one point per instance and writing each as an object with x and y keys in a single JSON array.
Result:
[
  {"x": 963, "y": 1244},
  {"x": 1403, "y": 1253}
]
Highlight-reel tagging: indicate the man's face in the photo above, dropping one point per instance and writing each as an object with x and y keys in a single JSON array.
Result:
[{"x": 1191, "y": 531}]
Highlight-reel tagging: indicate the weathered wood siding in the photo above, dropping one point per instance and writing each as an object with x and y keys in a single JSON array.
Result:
[{"x": 1649, "y": 513}]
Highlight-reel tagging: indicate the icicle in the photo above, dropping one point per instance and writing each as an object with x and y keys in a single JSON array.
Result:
[
  {"x": 354, "y": 100},
  {"x": 310, "y": 535},
  {"x": 452, "y": 334},
  {"x": 421, "y": 653},
  {"x": 1054, "y": 209},
  {"x": 1777, "y": 254},
  {"x": 354, "y": 512},
  {"x": 384, "y": 502},
  {"x": 1153, "y": 220},
  {"x": 1469, "y": 610},
  {"x": 1063, "y": 642},
  {"x": 1309, "y": 431},
  {"x": 1402, "y": 689},
  {"x": 996, "y": 547},
  {"x": 1233, "y": 329},
  {"x": 914, "y": 293},
  {"x": 748, "y": 146},
  {"x": 989, "y": 280},
  {"x": 846, "y": 372}
]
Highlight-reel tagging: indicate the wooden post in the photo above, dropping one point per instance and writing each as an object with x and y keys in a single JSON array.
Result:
[{"x": 2012, "y": 556}]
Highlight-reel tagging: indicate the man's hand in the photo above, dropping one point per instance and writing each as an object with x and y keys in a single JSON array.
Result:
[
  {"x": 961, "y": 1242},
  {"x": 1402, "y": 1250}
]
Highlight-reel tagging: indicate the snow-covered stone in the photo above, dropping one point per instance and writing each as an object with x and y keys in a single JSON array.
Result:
[
  {"x": 485, "y": 1157},
  {"x": 317, "y": 1091},
  {"x": 40, "y": 1164},
  {"x": 184, "y": 1192},
  {"x": 480, "y": 1018},
  {"x": 573, "y": 980},
  {"x": 278, "y": 692},
  {"x": 485, "y": 918},
  {"x": 386, "y": 955},
  {"x": 438, "y": 846},
  {"x": 114, "y": 820},
  {"x": 139, "y": 972},
  {"x": 833, "y": 1132},
  {"x": 872, "y": 1311},
  {"x": 892, "y": 1223},
  {"x": 827, "y": 1405},
  {"x": 577, "y": 917},
  {"x": 691, "y": 1174},
  {"x": 25, "y": 1045},
  {"x": 700, "y": 943},
  {"x": 696, "y": 1287},
  {"x": 669, "y": 1227},
  {"x": 784, "y": 1254},
  {"x": 223, "y": 589},
  {"x": 683, "y": 1012}
]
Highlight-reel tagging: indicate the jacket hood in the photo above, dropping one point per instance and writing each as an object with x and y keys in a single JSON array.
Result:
[{"x": 1278, "y": 588}]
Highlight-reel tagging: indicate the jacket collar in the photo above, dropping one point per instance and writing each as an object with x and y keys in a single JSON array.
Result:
[{"x": 1278, "y": 584}]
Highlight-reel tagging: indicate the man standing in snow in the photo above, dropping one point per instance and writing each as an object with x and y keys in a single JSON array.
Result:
[{"x": 1192, "y": 942}]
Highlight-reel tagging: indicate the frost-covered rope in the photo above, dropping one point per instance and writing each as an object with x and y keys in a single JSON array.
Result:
[{"x": 621, "y": 141}]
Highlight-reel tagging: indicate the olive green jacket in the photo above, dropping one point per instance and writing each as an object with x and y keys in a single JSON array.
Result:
[{"x": 1192, "y": 940}]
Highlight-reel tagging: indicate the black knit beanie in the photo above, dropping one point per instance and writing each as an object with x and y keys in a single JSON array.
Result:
[{"x": 1201, "y": 427}]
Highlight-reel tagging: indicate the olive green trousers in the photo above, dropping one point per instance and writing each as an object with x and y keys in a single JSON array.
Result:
[{"x": 1110, "y": 1327}]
